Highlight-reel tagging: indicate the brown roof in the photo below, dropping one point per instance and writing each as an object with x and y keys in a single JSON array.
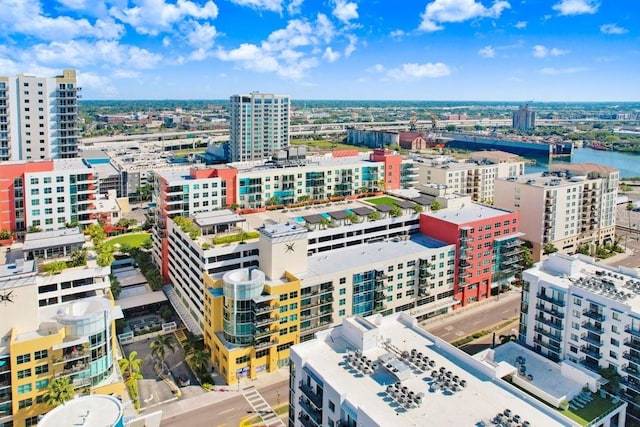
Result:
[{"x": 584, "y": 168}]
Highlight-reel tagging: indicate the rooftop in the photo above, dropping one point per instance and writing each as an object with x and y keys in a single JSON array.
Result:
[
  {"x": 441, "y": 378},
  {"x": 621, "y": 284},
  {"x": 340, "y": 260},
  {"x": 96, "y": 410},
  {"x": 585, "y": 168},
  {"x": 49, "y": 239},
  {"x": 469, "y": 213}
]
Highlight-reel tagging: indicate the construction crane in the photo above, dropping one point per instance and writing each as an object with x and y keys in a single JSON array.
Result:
[{"x": 413, "y": 123}]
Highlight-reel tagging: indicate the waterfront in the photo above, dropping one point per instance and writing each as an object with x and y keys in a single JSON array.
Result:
[{"x": 627, "y": 163}]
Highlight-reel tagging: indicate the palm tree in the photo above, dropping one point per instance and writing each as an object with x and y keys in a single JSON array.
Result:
[
  {"x": 132, "y": 384},
  {"x": 324, "y": 222},
  {"x": 395, "y": 211},
  {"x": 352, "y": 218},
  {"x": 161, "y": 344},
  {"x": 131, "y": 364},
  {"x": 192, "y": 343},
  {"x": 374, "y": 216},
  {"x": 435, "y": 206},
  {"x": 79, "y": 257},
  {"x": 199, "y": 359},
  {"x": 60, "y": 391}
]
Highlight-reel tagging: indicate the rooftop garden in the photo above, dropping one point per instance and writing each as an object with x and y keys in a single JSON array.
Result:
[
  {"x": 187, "y": 226},
  {"x": 598, "y": 407},
  {"x": 134, "y": 240}
]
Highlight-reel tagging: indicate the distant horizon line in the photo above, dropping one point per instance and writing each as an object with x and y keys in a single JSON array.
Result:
[{"x": 366, "y": 100}]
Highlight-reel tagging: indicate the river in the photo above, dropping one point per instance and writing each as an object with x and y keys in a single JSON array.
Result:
[{"x": 627, "y": 163}]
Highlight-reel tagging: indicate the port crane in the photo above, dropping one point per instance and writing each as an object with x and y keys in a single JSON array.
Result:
[{"x": 413, "y": 123}]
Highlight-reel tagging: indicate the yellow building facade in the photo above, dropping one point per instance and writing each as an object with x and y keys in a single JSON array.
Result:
[{"x": 250, "y": 322}]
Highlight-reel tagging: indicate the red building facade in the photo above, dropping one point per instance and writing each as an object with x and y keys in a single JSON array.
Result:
[{"x": 487, "y": 247}]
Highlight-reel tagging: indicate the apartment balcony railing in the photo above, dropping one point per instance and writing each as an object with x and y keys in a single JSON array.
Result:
[
  {"x": 265, "y": 321},
  {"x": 632, "y": 356},
  {"x": 75, "y": 369},
  {"x": 265, "y": 332},
  {"x": 630, "y": 330},
  {"x": 631, "y": 383},
  {"x": 550, "y": 310},
  {"x": 592, "y": 340},
  {"x": 314, "y": 414},
  {"x": 315, "y": 398},
  {"x": 264, "y": 344},
  {"x": 548, "y": 334},
  {"x": 555, "y": 301},
  {"x": 593, "y": 314},
  {"x": 549, "y": 345},
  {"x": 593, "y": 328},
  {"x": 634, "y": 344},
  {"x": 631, "y": 371},
  {"x": 72, "y": 356},
  {"x": 591, "y": 351},
  {"x": 549, "y": 322}
]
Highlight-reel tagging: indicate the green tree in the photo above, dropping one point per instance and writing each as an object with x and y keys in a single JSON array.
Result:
[
  {"x": 131, "y": 364},
  {"x": 451, "y": 128},
  {"x": 161, "y": 344},
  {"x": 324, "y": 222},
  {"x": 59, "y": 392},
  {"x": 584, "y": 249},
  {"x": 374, "y": 216},
  {"x": 166, "y": 312},
  {"x": 549, "y": 248},
  {"x": 34, "y": 229},
  {"x": 352, "y": 218},
  {"x": 105, "y": 256},
  {"x": 147, "y": 244},
  {"x": 116, "y": 288},
  {"x": 506, "y": 338},
  {"x": 273, "y": 201},
  {"x": 395, "y": 211},
  {"x": 527, "y": 258},
  {"x": 199, "y": 359},
  {"x": 192, "y": 343},
  {"x": 435, "y": 206},
  {"x": 417, "y": 208},
  {"x": 132, "y": 385},
  {"x": 79, "y": 257},
  {"x": 54, "y": 267}
]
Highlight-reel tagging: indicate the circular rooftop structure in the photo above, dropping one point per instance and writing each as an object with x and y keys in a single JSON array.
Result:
[{"x": 96, "y": 410}]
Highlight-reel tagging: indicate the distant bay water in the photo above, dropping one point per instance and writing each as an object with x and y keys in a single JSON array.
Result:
[{"x": 627, "y": 163}]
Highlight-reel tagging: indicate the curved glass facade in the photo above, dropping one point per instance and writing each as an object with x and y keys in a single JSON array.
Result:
[
  {"x": 240, "y": 287},
  {"x": 90, "y": 319}
]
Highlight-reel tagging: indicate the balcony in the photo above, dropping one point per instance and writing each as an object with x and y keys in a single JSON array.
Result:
[
  {"x": 548, "y": 334},
  {"x": 549, "y": 322},
  {"x": 73, "y": 369},
  {"x": 550, "y": 310},
  {"x": 549, "y": 345},
  {"x": 593, "y": 328},
  {"x": 591, "y": 351},
  {"x": 593, "y": 314},
  {"x": 631, "y": 371},
  {"x": 591, "y": 339},
  {"x": 305, "y": 420},
  {"x": 76, "y": 354},
  {"x": 315, "y": 398},
  {"x": 634, "y": 344},
  {"x": 259, "y": 345},
  {"x": 379, "y": 296},
  {"x": 266, "y": 309},
  {"x": 266, "y": 321},
  {"x": 265, "y": 332},
  {"x": 635, "y": 332},
  {"x": 632, "y": 356},
  {"x": 630, "y": 382},
  {"x": 314, "y": 414},
  {"x": 555, "y": 301}
]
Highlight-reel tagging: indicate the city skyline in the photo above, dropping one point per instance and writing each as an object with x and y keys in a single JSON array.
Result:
[{"x": 566, "y": 50}]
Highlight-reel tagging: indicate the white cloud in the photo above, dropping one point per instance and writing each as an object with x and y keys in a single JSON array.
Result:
[
  {"x": 330, "y": 55},
  {"x": 126, "y": 74},
  {"x": 154, "y": 16},
  {"x": 413, "y": 71},
  {"x": 28, "y": 18},
  {"x": 345, "y": 11},
  {"x": 97, "y": 83},
  {"x": 397, "y": 34},
  {"x": 378, "y": 68},
  {"x": 79, "y": 53},
  {"x": 612, "y": 29},
  {"x": 487, "y": 52},
  {"x": 73, "y": 4},
  {"x": 550, "y": 71},
  {"x": 540, "y": 51},
  {"x": 351, "y": 47},
  {"x": 270, "y": 5},
  {"x": 294, "y": 7},
  {"x": 442, "y": 11},
  {"x": 521, "y": 25},
  {"x": 201, "y": 36},
  {"x": 576, "y": 7},
  {"x": 166, "y": 41}
]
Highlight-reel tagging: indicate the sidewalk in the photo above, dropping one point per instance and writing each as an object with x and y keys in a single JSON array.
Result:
[
  {"x": 463, "y": 312},
  {"x": 221, "y": 393}
]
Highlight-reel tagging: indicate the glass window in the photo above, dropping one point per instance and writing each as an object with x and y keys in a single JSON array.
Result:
[{"x": 23, "y": 358}]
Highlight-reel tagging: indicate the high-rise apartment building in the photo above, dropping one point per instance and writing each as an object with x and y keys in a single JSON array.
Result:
[
  {"x": 259, "y": 125},
  {"x": 54, "y": 326},
  {"x": 524, "y": 119},
  {"x": 39, "y": 117},
  {"x": 569, "y": 208},
  {"x": 576, "y": 309}
]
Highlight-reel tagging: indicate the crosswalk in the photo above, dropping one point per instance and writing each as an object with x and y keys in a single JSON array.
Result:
[{"x": 262, "y": 408}]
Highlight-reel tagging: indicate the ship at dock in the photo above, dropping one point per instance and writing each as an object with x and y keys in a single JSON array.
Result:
[{"x": 521, "y": 147}]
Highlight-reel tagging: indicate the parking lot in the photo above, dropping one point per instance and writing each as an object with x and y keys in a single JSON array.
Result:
[{"x": 154, "y": 391}]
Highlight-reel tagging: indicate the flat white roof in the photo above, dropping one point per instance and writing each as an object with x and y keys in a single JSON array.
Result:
[
  {"x": 343, "y": 259},
  {"x": 483, "y": 397},
  {"x": 468, "y": 213},
  {"x": 142, "y": 299},
  {"x": 96, "y": 410}
]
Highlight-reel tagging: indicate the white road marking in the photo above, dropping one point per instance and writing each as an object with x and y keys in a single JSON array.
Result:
[{"x": 228, "y": 410}]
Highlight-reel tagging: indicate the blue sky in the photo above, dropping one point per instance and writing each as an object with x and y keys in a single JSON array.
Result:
[{"x": 515, "y": 50}]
